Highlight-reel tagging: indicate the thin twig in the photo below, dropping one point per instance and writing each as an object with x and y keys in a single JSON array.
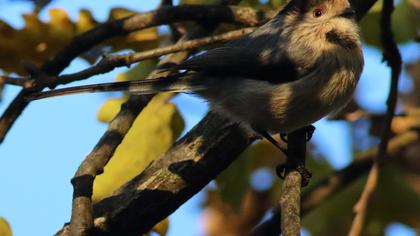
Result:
[
  {"x": 293, "y": 181},
  {"x": 360, "y": 208},
  {"x": 109, "y": 63},
  {"x": 24, "y": 82},
  {"x": 290, "y": 204},
  {"x": 393, "y": 57}
]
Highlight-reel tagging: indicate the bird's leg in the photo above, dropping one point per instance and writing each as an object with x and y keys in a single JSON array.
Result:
[
  {"x": 296, "y": 153},
  {"x": 270, "y": 139}
]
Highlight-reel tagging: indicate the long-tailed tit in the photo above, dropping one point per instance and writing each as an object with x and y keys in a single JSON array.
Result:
[{"x": 290, "y": 72}]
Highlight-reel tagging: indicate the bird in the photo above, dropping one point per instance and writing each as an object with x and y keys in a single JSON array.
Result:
[{"x": 297, "y": 68}]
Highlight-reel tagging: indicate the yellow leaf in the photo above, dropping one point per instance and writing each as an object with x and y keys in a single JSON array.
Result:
[
  {"x": 149, "y": 34},
  {"x": 5, "y": 228},
  {"x": 118, "y": 13},
  {"x": 85, "y": 21},
  {"x": 60, "y": 24},
  {"x": 161, "y": 228},
  {"x": 152, "y": 133},
  {"x": 110, "y": 109},
  {"x": 39, "y": 40},
  {"x": 138, "y": 72}
]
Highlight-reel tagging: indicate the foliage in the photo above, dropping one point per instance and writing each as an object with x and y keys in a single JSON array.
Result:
[
  {"x": 40, "y": 40},
  {"x": 160, "y": 124}
]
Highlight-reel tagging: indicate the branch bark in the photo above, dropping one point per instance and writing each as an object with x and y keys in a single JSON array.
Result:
[
  {"x": 168, "y": 182},
  {"x": 293, "y": 181},
  {"x": 24, "y": 82},
  {"x": 290, "y": 204}
]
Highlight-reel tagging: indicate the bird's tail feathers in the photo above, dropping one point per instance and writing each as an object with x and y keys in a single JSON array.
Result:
[{"x": 139, "y": 87}]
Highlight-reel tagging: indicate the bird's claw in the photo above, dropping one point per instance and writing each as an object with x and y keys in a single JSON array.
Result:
[
  {"x": 304, "y": 173},
  {"x": 309, "y": 132}
]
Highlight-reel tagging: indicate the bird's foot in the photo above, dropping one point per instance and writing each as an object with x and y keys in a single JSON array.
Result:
[{"x": 306, "y": 175}]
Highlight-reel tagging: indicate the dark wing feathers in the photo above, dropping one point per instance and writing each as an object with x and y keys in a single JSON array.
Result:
[
  {"x": 241, "y": 62},
  {"x": 221, "y": 60}
]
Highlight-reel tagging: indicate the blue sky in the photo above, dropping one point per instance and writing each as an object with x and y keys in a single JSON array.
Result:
[{"x": 52, "y": 137}]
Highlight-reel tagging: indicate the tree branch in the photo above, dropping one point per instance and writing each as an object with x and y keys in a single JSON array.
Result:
[
  {"x": 24, "y": 82},
  {"x": 109, "y": 63},
  {"x": 293, "y": 181},
  {"x": 168, "y": 182},
  {"x": 290, "y": 204},
  {"x": 393, "y": 57},
  {"x": 167, "y": 15},
  {"x": 338, "y": 181}
]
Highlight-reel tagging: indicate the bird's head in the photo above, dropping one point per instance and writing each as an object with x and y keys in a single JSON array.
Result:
[
  {"x": 322, "y": 22},
  {"x": 314, "y": 28}
]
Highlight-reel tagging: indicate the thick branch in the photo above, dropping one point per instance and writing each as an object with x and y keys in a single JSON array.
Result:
[{"x": 168, "y": 182}]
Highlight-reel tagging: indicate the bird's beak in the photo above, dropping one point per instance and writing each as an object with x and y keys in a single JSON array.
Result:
[{"x": 348, "y": 13}]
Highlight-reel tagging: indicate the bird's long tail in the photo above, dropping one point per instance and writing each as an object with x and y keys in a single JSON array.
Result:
[{"x": 139, "y": 87}]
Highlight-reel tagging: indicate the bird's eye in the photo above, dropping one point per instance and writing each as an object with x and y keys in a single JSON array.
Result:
[{"x": 319, "y": 11}]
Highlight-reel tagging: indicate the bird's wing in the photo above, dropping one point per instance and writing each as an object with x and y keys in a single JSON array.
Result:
[
  {"x": 239, "y": 61},
  {"x": 221, "y": 60}
]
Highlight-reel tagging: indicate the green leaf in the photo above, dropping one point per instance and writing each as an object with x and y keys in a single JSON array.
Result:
[
  {"x": 233, "y": 182},
  {"x": 404, "y": 24}
]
